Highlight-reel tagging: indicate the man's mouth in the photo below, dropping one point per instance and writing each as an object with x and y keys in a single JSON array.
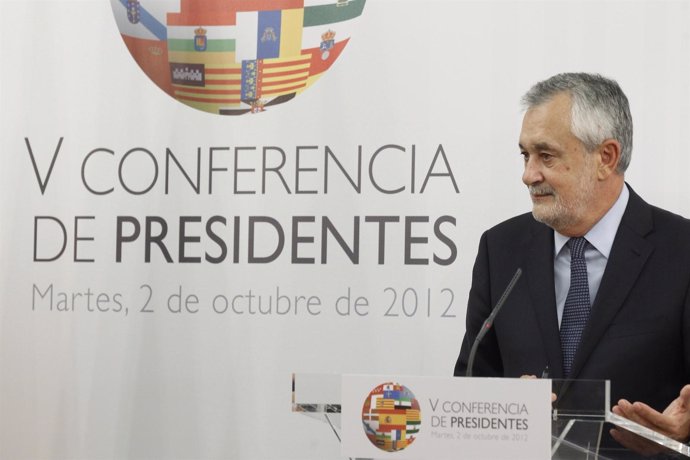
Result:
[{"x": 537, "y": 193}]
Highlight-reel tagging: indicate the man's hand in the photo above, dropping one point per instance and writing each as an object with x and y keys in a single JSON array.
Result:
[{"x": 674, "y": 422}]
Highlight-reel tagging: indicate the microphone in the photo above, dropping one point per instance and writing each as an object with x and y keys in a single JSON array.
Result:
[{"x": 490, "y": 321}]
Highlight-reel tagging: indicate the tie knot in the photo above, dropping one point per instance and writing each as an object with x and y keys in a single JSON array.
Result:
[{"x": 577, "y": 247}]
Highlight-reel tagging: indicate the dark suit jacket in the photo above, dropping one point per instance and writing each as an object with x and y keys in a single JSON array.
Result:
[{"x": 638, "y": 334}]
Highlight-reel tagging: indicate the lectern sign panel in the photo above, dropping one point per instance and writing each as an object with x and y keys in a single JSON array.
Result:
[{"x": 442, "y": 418}]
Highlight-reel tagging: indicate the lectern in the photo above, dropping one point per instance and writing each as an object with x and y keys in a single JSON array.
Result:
[{"x": 578, "y": 418}]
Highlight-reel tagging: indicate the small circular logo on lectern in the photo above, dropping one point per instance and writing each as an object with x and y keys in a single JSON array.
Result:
[{"x": 391, "y": 417}]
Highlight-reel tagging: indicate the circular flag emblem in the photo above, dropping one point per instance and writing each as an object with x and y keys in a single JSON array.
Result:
[
  {"x": 233, "y": 57},
  {"x": 391, "y": 417}
]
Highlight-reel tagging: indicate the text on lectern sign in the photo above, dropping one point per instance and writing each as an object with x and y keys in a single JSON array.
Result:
[{"x": 436, "y": 417}]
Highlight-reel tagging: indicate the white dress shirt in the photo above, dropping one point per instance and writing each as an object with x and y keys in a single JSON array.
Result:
[{"x": 600, "y": 238}]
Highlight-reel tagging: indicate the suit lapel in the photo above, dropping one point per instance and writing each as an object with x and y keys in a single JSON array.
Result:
[
  {"x": 539, "y": 271},
  {"x": 628, "y": 256}
]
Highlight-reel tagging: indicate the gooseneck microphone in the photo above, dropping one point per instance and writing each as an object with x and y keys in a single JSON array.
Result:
[{"x": 490, "y": 321}]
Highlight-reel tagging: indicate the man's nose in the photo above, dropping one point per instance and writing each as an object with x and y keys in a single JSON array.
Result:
[{"x": 532, "y": 173}]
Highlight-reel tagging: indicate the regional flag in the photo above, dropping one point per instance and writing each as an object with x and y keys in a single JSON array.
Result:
[
  {"x": 250, "y": 76},
  {"x": 394, "y": 421},
  {"x": 402, "y": 403},
  {"x": 268, "y": 34},
  {"x": 413, "y": 414},
  {"x": 284, "y": 76},
  {"x": 385, "y": 404}
]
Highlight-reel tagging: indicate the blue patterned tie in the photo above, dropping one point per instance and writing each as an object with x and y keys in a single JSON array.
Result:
[{"x": 577, "y": 307}]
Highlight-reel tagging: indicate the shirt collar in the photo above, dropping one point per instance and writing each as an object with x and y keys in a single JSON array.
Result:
[{"x": 600, "y": 236}]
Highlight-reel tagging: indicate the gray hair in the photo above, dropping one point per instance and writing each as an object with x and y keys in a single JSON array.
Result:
[{"x": 599, "y": 109}]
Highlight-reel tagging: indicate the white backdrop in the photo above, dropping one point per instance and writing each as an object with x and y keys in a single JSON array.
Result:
[{"x": 105, "y": 384}]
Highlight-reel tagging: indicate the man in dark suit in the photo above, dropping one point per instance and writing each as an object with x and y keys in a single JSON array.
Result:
[{"x": 605, "y": 290}]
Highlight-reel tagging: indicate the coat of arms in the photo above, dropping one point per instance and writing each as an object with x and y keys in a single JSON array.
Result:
[
  {"x": 133, "y": 11},
  {"x": 200, "y": 39},
  {"x": 269, "y": 35},
  {"x": 327, "y": 42}
]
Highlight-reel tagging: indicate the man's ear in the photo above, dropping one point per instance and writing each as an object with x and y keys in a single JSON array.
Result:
[{"x": 609, "y": 153}]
